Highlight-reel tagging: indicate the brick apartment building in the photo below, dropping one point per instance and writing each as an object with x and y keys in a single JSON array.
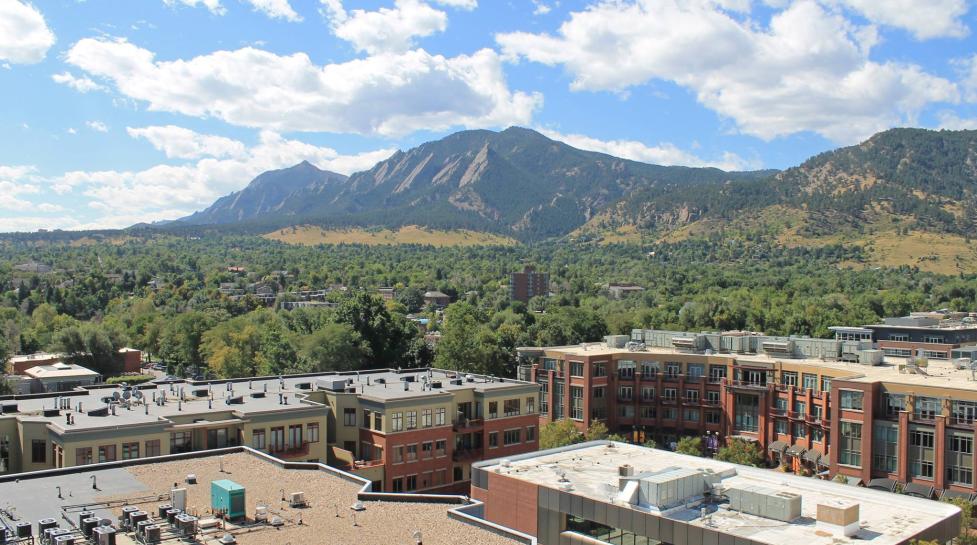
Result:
[
  {"x": 527, "y": 284},
  {"x": 835, "y": 405}
]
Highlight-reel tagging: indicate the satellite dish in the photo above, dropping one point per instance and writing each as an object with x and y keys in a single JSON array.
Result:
[
  {"x": 126, "y": 394},
  {"x": 116, "y": 396}
]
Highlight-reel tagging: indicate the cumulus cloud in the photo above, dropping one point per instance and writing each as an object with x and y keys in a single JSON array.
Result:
[
  {"x": 808, "y": 69},
  {"x": 385, "y": 94},
  {"x": 82, "y": 84},
  {"x": 214, "y": 6},
  {"x": 183, "y": 143},
  {"x": 276, "y": 9},
  {"x": 665, "y": 153},
  {"x": 170, "y": 191},
  {"x": 97, "y": 126},
  {"x": 460, "y": 4},
  {"x": 924, "y": 20},
  {"x": 24, "y": 36},
  {"x": 387, "y": 29}
]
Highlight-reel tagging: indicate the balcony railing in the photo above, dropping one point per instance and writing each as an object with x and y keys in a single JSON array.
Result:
[
  {"x": 365, "y": 464},
  {"x": 711, "y": 402},
  {"x": 467, "y": 424},
  {"x": 956, "y": 421},
  {"x": 668, "y": 401},
  {"x": 690, "y": 401},
  {"x": 466, "y": 454},
  {"x": 795, "y": 415},
  {"x": 746, "y": 384},
  {"x": 716, "y": 380},
  {"x": 671, "y": 378},
  {"x": 289, "y": 451},
  {"x": 778, "y": 412}
]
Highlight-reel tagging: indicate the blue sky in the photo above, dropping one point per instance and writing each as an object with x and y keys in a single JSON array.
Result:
[{"x": 116, "y": 112}]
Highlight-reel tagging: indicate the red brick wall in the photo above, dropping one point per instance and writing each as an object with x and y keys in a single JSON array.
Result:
[
  {"x": 509, "y": 502},
  {"x": 131, "y": 361}
]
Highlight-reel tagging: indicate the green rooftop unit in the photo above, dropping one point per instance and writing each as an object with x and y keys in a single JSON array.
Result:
[{"x": 227, "y": 497}]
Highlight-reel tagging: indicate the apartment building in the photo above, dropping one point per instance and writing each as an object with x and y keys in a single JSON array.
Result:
[
  {"x": 821, "y": 406},
  {"x": 933, "y": 335},
  {"x": 404, "y": 430},
  {"x": 527, "y": 284},
  {"x": 605, "y": 492}
]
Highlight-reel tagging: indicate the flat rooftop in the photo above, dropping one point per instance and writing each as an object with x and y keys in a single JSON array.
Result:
[
  {"x": 592, "y": 468},
  {"x": 148, "y": 485},
  {"x": 187, "y": 399},
  {"x": 939, "y": 373}
]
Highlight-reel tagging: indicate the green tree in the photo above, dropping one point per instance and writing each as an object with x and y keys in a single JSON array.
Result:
[
  {"x": 740, "y": 451},
  {"x": 92, "y": 345},
  {"x": 334, "y": 347},
  {"x": 559, "y": 433},
  {"x": 388, "y": 336},
  {"x": 461, "y": 345},
  {"x": 690, "y": 445},
  {"x": 966, "y": 519},
  {"x": 596, "y": 431},
  {"x": 411, "y": 298}
]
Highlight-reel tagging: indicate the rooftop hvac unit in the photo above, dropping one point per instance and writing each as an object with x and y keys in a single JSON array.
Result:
[
  {"x": 765, "y": 502},
  {"x": 261, "y": 513},
  {"x": 171, "y": 515},
  {"x": 136, "y": 517},
  {"x": 88, "y": 526},
  {"x": 24, "y": 529},
  {"x": 297, "y": 499},
  {"x": 105, "y": 535},
  {"x": 162, "y": 509},
  {"x": 127, "y": 512},
  {"x": 44, "y": 524},
  {"x": 153, "y": 533},
  {"x": 141, "y": 527},
  {"x": 178, "y": 497},
  {"x": 187, "y": 524},
  {"x": 64, "y": 540},
  {"x": 227, "y": 497},
  {"x": 81, "y": 517},
  {"x": 227, "y": 539},
  {"x": 48, "y": 535}
]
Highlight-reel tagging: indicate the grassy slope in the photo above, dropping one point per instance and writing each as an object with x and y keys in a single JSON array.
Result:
[{"x": 311, "y": 235}]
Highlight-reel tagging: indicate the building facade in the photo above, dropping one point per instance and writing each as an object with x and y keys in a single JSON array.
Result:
[
  {"x": 816, "y": 405},
  {"x": 413, "y": 430},
  {"x": 527, "y": 284}
]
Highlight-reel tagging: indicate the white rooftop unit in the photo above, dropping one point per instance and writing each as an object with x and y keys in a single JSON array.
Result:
[
  {"x": 664, "y": 489},
  {"x": 765, "y": 502}
]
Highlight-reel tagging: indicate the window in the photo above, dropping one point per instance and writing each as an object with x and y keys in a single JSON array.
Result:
[
  {"x": 647, "y": 393},
  {"x": 809, "y": 381},
  {"x": 800, "y": 430},
  {"x": 894, "y": 404},
  {"x": 530, "y": 434},
  {"x": 549, "y": 364},
  {"x": 851, "y": 400},
  {"x": 598, "y": 392},
  {"x": 349, "y": 417},
  {"x": 493, "y": 439},
  {"x": 493, "y": 409},
  {"x": 713, "y": 417},
  {"x": 558, "y": 399},
  {"x": 397, "y": 422},
  {"x": 439, "y": 416},
  {"x": 625, "y": 369},
  {"x": 788, "y": 378},
  {"x": 39, "y": 451},
  {"x": 600, "y": 370},
  {"x": 780, "y": 426},
  {"x": 312, "y": 432},
  {"x": 411, "y": 482},
  {"x": 258, "y": 439},
  {"x": 377, "y": 421},
  {"x": 669, "y": 413},
  {"x": 83, "y": 456},
  {"x": 367, "y": 416},
  {"x": 694, "y": 371},
  {"x": 817, "y": 435},
  {"x": 746, "y": 413},
  {"x": 544, "y": 400},
  {"x": 649, "y": 369},
  {"x": 512, "y": 437},
  {"x": 152, "y": 447},
  {"x": 106, "y": 453},
  {"x": 850, "y": 451},
  {"x": 576, "y": 402},
  {"x": 427, "y": 450},
  {"x": 513, "y": 407},
  {"x": 624, "y": 393},
  {"x": 397, "y": 484},
  {"x": 800, "y": 408},
  {"x": 530, "y": 405},
  {"x": 440, "y": 448},
  {"x": 934, "y": 354},
  {"x": 921, "y": 453},
  {"x": 825, "y": 384},
  {"x": 712, "y": 397},
  {"x": 691, "y": 415},
  {"x": 960, "y": 458},
  {"x": 926, "y": 408},
  {"x": 933, "y": 339},
  {"x": 277, "y": 442},
  {"x": 692, "y": 396},
  {"x": 648, "y": 412},
  {"x": 130, "y": 451},
  {"x": 412, "y": 420},
  {"x": 598, "y": 413},
  {"x": 427, "y": 418},
  {"x": 717, "y": 373},
  {"x": 964, "y": 412},
  {"x": 625, "y": 411},
  {"x": 398, "y": 454},
  {"x": 901, "y": 337},
  {"x": 181, "y": 441},
  {"x": 576, "y": 369},
  {"x": 780, "y": 406},
  {"x": 672, "y": 371},
  {"x": 669, "y": 394},
  {"x": 295, "y": 436},
  {"x": 885, "y": 448},
  {"x": 412, "y": 452}
]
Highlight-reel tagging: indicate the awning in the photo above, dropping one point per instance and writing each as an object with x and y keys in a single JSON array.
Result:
[
  {"x": 777, "y": 446},
  {"x": 854, "y": 481},
  {"x": 796, "y": 450},
  {"x": 886, "y": 485},
  {"x": 955, "y": 495},
  {"x": 812, "y": 456},
  {"x": 918, "y": 490}
]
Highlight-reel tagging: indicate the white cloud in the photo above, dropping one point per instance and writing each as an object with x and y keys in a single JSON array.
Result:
[
  {"x": 24, "y": 36},
  {"x": 276, "y": 9},
  {"x": 387, "y": 29},
  {"x": 82, "y": 84},
  {"x": 71, "y": 130},
  {"x": 665, "y": 153},
  {"x": 460, "y": 4},
  {"x": 952, "y": 121},
  {"x": 541, "y": 8},
  {"x": 807, "y": 70},
  {"x": 12, "y": 224},
  {"x": 16, "y": 172},
  {"x": 386, "y": 94},
  {"x": 97, "y": 126},
  {"x": 925, "y": 20},
  {"x": 169, "y": 191},
  {"x": 214, "y": 6},
  {"x": 182, "y": 143}
]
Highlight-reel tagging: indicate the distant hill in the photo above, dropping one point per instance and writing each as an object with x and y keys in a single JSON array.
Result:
[{"x": 516, "y": 182}]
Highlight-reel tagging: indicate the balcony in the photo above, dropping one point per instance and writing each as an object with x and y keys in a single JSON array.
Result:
[
  {"x": 359, "y": 465},
  {"x": 711, "y": 402},
  {"x": 671, "y": 378},
  {"x": 814, "y": 419},
  {"x": 690, "y": 401},
  {"x": 668, "y": 401},
  {"x": 746, "y": 384},
  {"x": 716, "y": 380},
  {"x": 467, "y": 424},
  {"x": 778, "y": 412},
  {"x": 965, "y": 422},
  {"x": 795, "y": 415},
  {"x": 289, "y": 451},
  {"x": 466, "y": 454}
]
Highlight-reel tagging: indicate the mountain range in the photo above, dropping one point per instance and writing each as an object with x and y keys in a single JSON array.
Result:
[{"x": 521, "y": 184}]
